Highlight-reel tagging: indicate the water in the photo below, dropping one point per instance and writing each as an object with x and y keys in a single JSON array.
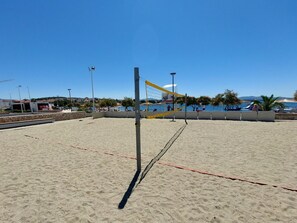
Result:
[{"x": 163, "y": 107}]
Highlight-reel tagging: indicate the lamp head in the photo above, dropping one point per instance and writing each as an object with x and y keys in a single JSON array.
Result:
[{"x": 92, "y": 68}]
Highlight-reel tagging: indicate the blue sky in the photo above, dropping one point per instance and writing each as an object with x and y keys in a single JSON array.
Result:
[{"x": 246, "y": 46}]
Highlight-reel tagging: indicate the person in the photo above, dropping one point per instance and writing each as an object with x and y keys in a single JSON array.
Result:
[
  {"x": 168, "y": 108},
  {"x": 255, "y": 107}
]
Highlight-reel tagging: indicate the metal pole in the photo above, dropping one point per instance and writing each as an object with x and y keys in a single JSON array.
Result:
[
  {"x": 29, "y": 93},
  {"x": 137, "y": 118},
  {"x": 173, "y": 119},
  {"x": 93, "y": 90},
  {"x": 186, "y": 101},
  {"x": 91, "y": 69},
  {"x": 20, "y": 98},
  {"x": 30, "y": 99},
  {"x": 70, "y": 97},
  {"x": 146, "y": 100}
]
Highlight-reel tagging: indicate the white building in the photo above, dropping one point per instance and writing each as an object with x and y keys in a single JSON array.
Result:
[
  {"x": 4, "y": 104},
  {"x": 167, "y": 98}
]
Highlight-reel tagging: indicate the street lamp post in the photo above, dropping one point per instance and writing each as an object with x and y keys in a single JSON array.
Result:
[
  {"x": 20, "y": 98},
  {"x": 91, "y": 69},
  {"x": 70, "y": 97},
  {"x": 30, "y": 100},
  {"x": 172, "y": 74}
]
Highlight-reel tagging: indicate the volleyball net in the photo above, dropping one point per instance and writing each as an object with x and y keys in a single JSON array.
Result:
[
  {"x": 161, "y": 102},
  {"x": 156, "y": 98}
]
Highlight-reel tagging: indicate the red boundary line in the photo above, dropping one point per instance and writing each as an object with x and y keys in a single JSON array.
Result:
[
  {"x": 209, "y": 174},
  {"x": 180, "y": 167}
]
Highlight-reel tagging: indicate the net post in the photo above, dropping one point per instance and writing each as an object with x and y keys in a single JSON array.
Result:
[
  {"x": 146, "y": 100},
  {"x": 186, "y": 105},
  {"x": 137, "y": 118}
]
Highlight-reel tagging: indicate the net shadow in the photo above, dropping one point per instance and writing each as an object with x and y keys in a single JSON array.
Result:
[
  {"x": 133, "y": 184},
  {"x": 161, "y": 153}
]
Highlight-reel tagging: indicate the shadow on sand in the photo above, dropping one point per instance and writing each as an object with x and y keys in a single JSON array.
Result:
[
  {"x": 129, "y": 190},
  {"x": 148, "y": 167}
]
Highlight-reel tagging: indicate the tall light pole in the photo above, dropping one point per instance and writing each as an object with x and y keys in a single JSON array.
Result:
[
  {"x": 30, "y": 99},
  {"x": 92, "y": 69},
  {"x": 20, "y": 98},
  {"x": 70, "y": 96},
  {"x": 172, "y": 74}
]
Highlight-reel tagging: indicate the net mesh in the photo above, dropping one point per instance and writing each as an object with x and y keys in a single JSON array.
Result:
[{"x": 160, "y": 100}]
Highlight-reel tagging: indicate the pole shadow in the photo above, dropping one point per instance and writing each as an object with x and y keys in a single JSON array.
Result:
[{"x": 129, "y": 191}]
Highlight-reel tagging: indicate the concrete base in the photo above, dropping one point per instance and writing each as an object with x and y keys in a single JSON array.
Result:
[{"x": 8, "y": 125}]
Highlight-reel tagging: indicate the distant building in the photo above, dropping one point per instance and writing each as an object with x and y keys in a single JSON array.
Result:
[
  {"x": 35, "y": 106},
  {"x": 4, "y": 103},
  {"x": 167, "y": 98}
]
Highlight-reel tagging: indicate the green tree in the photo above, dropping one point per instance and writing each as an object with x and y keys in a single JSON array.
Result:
[
  {"x": 269, "y": 103},
  {"x": 191, "y": 101},
  {"x": 204, "y": 100},
  {"x": 62, "y": 103},
  {"x": 107, "y": 102},
  {"x": 87, "y": 104},
  {"x": 127, "y": 102},
  {"x": 217, "y": 100},
  {"x": 180, "y": 100},
  {"x": 230, "y": 98},
  {"x": 295, "y": 95}
]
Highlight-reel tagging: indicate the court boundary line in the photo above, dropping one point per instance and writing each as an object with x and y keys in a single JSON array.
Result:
[{"x": 178, "y": 167}]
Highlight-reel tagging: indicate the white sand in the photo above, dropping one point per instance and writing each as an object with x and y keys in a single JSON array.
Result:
[{"x": 60, "y": 172}]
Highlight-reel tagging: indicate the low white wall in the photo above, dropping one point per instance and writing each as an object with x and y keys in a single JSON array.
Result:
[
  {"x": 204, "y": 115},
  {"x": 111, "y": 114},
  {"x": 267, "y": 116},
  {"x": 249, "y": 116},
  {"x": 98, "y": 115},
  {"x": 218, "y": 115},
  {"x": 180, "y": 115},
  {"x": 192, "y": 115},
  {"x": 233, "y": 115},
  {"x": 230, "y": 115}
]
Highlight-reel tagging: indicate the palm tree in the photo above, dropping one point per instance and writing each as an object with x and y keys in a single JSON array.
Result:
[{"x": 269, "y": 103}]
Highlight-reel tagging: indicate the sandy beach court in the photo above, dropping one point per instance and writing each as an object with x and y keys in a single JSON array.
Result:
[{"x": 215, "y": 171}]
